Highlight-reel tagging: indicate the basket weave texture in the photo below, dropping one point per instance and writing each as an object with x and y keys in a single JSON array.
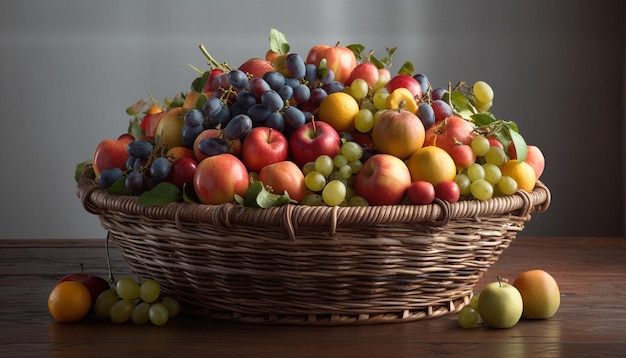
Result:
[{"x": 314, "y": 265}]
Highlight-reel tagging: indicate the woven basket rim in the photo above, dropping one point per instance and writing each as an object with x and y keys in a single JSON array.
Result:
[{"x": 97, "y": 200}]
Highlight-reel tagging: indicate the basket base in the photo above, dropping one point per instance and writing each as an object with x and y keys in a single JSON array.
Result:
[{"x": 446, "y": 308}]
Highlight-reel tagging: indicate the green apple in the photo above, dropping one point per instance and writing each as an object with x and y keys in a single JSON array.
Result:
[{"x": 500, "y": 305}]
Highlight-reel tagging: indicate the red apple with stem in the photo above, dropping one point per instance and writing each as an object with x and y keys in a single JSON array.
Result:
[
  {"x": 383, "y": 180},
  {"x": 407, "y": 82},
  {"x": 341, "y": 60},
  {"x": 95, "y": 284},
  {"x": 263, "y": 146},
  {"x": 313, "y": 139}
]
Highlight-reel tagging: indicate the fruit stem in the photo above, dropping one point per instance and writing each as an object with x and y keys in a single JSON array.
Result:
[
  {"x": 212, "y": 60},
  {"x": 499, "y": 281},
  {"x": 82, "y": 271},
  {"x": 269, "y": 134}
]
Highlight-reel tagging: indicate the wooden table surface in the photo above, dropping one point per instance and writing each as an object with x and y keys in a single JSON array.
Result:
[{"x": 591, "y": 321}]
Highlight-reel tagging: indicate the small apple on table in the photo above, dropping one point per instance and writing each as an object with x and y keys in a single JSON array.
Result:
[{"x": 94, "y": 284}]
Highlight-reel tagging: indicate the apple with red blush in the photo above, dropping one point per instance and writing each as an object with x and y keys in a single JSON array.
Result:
[
  {"x": 256, "y": 67},
  {"x": 383, "y": 180},
  {"x": 366, "y": 71},
  {"x": 111, "y": 153},
  {"x": 95, "y": 284},
  {"x": 284, "y": 176},
  {"x": 219, "y": 177},
  {"x": 340, "y": 59},
  {"x": 312, "y": 140},
  {"x": 263, "y": 146},
  {"x": 406, "y": 81}
]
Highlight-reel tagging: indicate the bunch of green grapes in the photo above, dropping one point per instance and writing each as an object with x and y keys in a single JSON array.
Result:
[
  {"x": 330, "y": 178},
  {"x": 137, "y": 302},
  {"x": 483, "y": 179}
]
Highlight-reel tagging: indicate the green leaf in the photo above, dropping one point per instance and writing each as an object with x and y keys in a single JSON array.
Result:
[
  {"x": 265, "y": 199},
  {"x": 258, "y": 197},
  {"x": 278, "y": 42},
  {"x": 189, "y": 195},
  {"x": 162, "y": 194},
  {"x": 521, "y": 148},
  {"x": 251, "y": 194},
  {"x": 119, "y": 187},
  {"x": 200, "y": 101},
  {"x": 461, "y": 104},
  {"x": 483, "y": 119},
  {"x": 134, "y": 128},
  {"x": 376, "y": 62},
  {"x": 200, "y": 82},
  {"x": 357, "y": 49},
  {"x": 80, "y": 167},
  {"x": 406, "y": 69}
]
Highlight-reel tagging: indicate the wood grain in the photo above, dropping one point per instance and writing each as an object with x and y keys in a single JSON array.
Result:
[{"x": 591, "y": 321}]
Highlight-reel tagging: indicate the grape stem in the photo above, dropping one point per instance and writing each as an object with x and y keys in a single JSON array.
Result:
[{"x": 213, "y": 61}]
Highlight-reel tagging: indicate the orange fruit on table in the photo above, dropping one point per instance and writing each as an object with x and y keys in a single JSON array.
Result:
[
  {"x": 431, "y": 164},
  {"x": 69, "y": 301},
  {"x": 339, "y": 110},
  {"x": 522, "y": 172},
  {"x": 540, "y": 294}
]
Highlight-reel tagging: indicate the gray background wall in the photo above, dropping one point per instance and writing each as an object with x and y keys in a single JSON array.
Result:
[{"x": 69, "y": 68}]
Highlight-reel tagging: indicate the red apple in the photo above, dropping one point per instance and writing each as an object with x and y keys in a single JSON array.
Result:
[
  {"x": 218, "y": 178},
  {"x": 382, "y": 180},
  {"x": 534, "y": 157},
  {"x": 316, "y": 54},
  {"x": 407, "y": 82},
  {"x": 256, "y": 67},
  {"x": 448, "y": 190},
  {"x": 212, "y": 83},
  {"x": 150, "y": 122},
  {"x": 421, "y": 192},
  {"x": 182, "y": 171},
  {"x": 313, "y": 139},
  {"x": 398, "y": 132},
  {"x": 111, "y": 153},
  {"x": 366, "y": 71},
  {"x": 284, "y": 176},
  {"x": 95, "y": 284},
  {"x": 450, "y": 132},
  {"x": 263, "y": 146},
  {"x": 341, "y": 60}
]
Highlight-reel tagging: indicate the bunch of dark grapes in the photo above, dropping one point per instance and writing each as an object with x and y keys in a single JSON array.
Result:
[
  {"x": 240, "y": 102},
  {"x": 146, "y": 167}
]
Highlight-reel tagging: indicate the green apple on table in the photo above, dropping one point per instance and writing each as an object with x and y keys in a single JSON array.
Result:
[{"x": 500, "y": 305}]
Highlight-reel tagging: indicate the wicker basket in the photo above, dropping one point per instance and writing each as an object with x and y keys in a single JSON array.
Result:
[{"x": 305, "y": 265}]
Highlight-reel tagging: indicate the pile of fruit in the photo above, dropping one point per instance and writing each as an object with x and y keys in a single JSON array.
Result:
[
  {"x": 333, "y": 127},
  {"x": 533, "y": 295},
  {"x": 77, "y": 295}
]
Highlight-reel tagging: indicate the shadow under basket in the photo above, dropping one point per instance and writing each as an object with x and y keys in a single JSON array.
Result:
[{"x": 314, "y": 265}]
